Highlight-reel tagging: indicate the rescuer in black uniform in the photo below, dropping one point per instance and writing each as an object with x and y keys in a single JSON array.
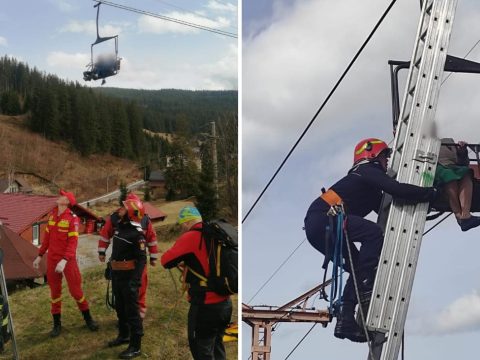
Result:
[
  {"x": 128, "y": 262},
  {"x": 360, "y": 192}
]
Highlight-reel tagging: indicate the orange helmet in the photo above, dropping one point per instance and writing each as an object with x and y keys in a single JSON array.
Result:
[
  {"x": 135, "y": 209},
  {"x": 369, "y": 149}
]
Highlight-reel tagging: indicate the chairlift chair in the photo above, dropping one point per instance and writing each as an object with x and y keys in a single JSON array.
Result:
[
  {"x": 453, "y": 64},
  {"x": 106, "y": 66}
]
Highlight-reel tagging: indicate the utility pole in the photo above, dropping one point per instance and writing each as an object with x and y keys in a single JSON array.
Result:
[{"x": 214, "y": 158}]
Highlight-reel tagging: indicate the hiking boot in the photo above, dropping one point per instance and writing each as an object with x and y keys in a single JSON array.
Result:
[
  {"x": 347, "y": 327},
  {"x": 133, "y": 350},
  {"x": 470, "y": 223},
  {"x": 57, "y": 325},
  {"x": 91, "y": 324},
  {"x": 120, "y": 340},
  {"x": 57, "y": 329}
]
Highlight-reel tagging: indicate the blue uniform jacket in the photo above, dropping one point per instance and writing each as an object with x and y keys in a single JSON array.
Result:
[{"x": 362, "y": 189}]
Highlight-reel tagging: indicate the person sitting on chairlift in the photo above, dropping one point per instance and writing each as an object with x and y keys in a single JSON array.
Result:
[{"x": 456, "y": 178}]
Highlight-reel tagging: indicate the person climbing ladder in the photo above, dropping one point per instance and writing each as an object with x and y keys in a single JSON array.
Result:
[{"x": 359, "y": 193}]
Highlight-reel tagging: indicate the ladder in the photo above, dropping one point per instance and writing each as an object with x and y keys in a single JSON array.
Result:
[
  {"x": 4, "y": 292},
  {"x": 414, "y": 159}
]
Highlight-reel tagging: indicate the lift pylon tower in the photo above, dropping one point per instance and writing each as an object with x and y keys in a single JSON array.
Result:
[
  {"x": 263, "y": 318},
  {"x": 415, "y": 155}
]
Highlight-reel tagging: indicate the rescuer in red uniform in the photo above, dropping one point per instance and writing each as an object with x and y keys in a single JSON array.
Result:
[
  {"x": 209, "y": 313},
  {"x": 60, "y": 240},
  {"x": 106, "y": 234}
]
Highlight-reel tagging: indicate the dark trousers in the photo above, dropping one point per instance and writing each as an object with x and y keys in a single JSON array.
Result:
[
  {"x": 125, "y": 290},
  {"x": 206, "y": 327},
  {"x": 365, "y": 260}
]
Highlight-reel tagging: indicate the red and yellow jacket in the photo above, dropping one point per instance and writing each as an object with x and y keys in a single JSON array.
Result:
[
  {"x": 108, "y": 230},
  {"x": 190, "y": 249},
  {"x": 61, "y": 235}
]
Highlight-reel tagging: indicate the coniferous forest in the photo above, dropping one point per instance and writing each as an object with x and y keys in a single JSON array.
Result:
[{"x": 105, "y": 120}]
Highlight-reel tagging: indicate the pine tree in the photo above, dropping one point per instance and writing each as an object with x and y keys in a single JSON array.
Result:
[
  {"x": 181, "y": 174},
  {"x": 123, "y": 193},
  {"x": 146, "y": 193},
  {"x": 206, "y": 197},
  {"x": 121, "y": 144},
  {"x": 10, "y": 103}
]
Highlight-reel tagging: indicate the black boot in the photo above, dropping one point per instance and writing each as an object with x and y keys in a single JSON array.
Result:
[
  {"x": 91, "y": 324},
  {"x": 134, "y": 348},
  {"x": 365, "y": 301},
  {"x": 57, "y": 325},
  {"x": 347, "y": 327},
  {"x": 120, "y": 340}
]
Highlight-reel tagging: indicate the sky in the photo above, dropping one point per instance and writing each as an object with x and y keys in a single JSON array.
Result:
[
  {"x": 293, "y": 53},
  {"x": 55, "y": 36}
]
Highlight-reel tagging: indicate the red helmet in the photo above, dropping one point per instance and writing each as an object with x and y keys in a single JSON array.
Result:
[
  {"x": 69, "y": 196},
  {"x": 369, "y": 149},
  {"x": 132, "y": 196},
  {"x": 135, "y": 209}
]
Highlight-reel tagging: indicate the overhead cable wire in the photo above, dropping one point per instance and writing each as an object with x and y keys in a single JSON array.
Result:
[
  {"x": 277, "y": 270},
  {"x": 193, "y": 12},
  {"x": 468, "y": 53},
  {"x": 354, "y": 59},
  {"x": 300, "y": 341},
  {"x": 168, "y": 18}
]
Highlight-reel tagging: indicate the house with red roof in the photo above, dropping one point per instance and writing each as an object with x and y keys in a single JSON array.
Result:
[
  {"x": 154, "y": 213},
  {"x": 18, "y": 256},
  {"x": 27, "y": 215}
]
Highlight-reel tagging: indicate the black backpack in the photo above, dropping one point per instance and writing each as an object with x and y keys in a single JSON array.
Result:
[{"x": 221, "y": 240}]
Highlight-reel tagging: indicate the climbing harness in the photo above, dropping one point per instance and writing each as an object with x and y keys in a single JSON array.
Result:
[{"x": 337, "y": 239}]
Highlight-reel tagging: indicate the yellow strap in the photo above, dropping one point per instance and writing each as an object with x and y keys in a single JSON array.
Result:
[
  {"x": 364, "y": 146},
  {"x": 53, "y": 301},
  {"x": 203, "y": 279},
  {"x": 82, "y": 299},
  {"x": 73, "y": 233}
]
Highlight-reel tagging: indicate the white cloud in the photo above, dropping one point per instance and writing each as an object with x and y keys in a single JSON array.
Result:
[
  {"x": 460, "y": 316},
  {"x": 149, "y": 24},
  {"x": 62, "y": 60},
  {"x": 217, "y": 6},
  {"x": 64, "y": 5},
  {"x": 3, "y": 41},
  {"x": 161, "y": 73},
  {"x": 89, "y": 27},
  {"x": 223, "y": 74}
]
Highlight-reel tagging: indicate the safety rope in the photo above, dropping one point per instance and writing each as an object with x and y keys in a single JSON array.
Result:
[
  {"x": 336, "y": 290},
  {"x": 357, "y": 292}
]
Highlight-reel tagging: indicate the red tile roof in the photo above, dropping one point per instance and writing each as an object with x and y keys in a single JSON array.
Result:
[
  {"x": 19, "y": 211},
  {"x": 153, "y": 212},
  {"x": 18, "y": 256}
]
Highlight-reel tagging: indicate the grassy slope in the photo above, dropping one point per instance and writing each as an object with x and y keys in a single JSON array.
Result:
[
  {"x": 165, "y": 323},
  {"x": 25, "y": 151}
]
